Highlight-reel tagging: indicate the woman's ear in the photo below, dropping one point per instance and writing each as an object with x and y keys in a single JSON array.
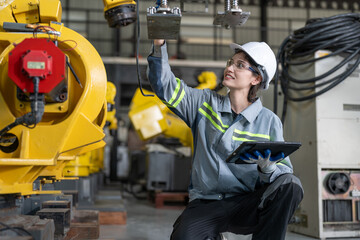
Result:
[{"x": 257, "y": 80}]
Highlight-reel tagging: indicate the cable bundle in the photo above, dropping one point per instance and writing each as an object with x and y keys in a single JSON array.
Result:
[{"x": 340, "y": 34}]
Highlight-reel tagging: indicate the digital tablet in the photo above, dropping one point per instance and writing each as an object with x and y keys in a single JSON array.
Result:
[{"x": 275, "y": 147}]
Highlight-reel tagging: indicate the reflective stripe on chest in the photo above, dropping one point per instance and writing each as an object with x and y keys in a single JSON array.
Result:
[
  {"x": 248, "y": 136},
  {"x": 213, "y": 117},
  {"x": 238, "y": 135}
]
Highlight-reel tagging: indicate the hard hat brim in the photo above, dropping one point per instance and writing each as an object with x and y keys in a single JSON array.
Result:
[{"x": 236, "y": 47}]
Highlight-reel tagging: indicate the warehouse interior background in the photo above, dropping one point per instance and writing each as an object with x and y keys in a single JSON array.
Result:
[{"x": 139, "y": 187}]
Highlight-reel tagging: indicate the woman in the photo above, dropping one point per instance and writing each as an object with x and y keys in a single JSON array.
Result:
[{"x": 243, "y": 198}]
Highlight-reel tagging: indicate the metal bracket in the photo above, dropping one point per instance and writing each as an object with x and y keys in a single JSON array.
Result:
[
  {"x": 163, "y": 23},
  {"x": 231, "y": 18}
]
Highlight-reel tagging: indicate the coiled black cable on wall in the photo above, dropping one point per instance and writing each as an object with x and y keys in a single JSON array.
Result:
[{"x": 339, "y": 34}]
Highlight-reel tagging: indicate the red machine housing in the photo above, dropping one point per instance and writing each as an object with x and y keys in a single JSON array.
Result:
[
  {"x": 37, "y": 63},
  {"x": 36, "y": 57}
]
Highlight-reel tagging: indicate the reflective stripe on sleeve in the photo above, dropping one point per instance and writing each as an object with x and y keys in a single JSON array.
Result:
[{"x": 177, "y": 96}]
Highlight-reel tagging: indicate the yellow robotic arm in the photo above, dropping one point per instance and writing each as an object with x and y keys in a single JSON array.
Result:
[
  {"x": 67, "y": 94},
  {"x": 91, "y": 162},
  {"x": 119, "y": 12}
]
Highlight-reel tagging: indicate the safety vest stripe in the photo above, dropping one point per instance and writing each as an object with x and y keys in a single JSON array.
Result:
[
  {"x": 210, "y": 116},
  {"x": 180, "y": 98},
  {"x": 211, "y": 119},
  {"x": 249, "y": 138},
  {"x": 178, "y": 94},
  {"x": 242, "y": 139},
  {"x": 206, "y": 107},
  {"x": 252, "y": 136}
]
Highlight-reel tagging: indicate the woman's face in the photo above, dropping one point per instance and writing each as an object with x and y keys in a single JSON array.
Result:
[{"x": 237, "y": 75}]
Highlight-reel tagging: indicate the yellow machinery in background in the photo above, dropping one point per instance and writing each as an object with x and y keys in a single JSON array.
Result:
[
  {"x": 151, "y": 117},
  {"x": 52, "y": 95},
  {"x": 111, "y": 120}
]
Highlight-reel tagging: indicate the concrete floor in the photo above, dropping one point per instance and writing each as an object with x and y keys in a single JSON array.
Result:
[{"x": 145, "y": 222}]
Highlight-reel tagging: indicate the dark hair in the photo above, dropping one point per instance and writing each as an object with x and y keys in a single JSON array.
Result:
[
  {"x": 254, "y": 88},
  {"x": 252, "y": 92}
]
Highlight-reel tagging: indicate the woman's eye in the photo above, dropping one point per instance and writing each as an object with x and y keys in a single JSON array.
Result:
[{"x": 240, "y": 65}]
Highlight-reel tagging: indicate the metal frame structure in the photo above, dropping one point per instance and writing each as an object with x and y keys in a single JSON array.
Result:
[{"x": 210, "y": 10}]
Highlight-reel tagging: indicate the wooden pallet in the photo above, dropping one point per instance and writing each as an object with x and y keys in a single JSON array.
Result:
[
  {"x": 111, "y": 209},
  {"x": 85, "y": 225},
  {"x": 112, "y": 218},
  {"x": 170, "y": 199}
]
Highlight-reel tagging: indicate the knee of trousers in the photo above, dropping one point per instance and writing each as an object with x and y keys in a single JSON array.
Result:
[
  {"x": 286, "y": 181},
  {"x": 289, "y": 179}
]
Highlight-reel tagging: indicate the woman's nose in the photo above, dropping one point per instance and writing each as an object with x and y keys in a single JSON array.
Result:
[{"x": 231, "y": 67}]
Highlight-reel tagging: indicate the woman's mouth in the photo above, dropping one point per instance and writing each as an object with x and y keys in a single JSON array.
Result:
[{"x": 228, "y": 76}]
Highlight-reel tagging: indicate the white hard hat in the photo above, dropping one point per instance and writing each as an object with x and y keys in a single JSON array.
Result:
[{"x": 262, "y": 55}]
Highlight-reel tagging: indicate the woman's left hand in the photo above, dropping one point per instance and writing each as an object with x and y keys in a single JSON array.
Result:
[{"x": 266, "y": 162}]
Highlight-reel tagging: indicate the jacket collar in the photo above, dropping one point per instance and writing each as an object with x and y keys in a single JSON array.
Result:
[
  {"x": 250, "y": 113},
  {"x": 225, "y": 105}
]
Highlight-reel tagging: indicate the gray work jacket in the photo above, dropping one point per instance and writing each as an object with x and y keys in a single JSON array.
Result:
[{"x": 216, "y": 133}]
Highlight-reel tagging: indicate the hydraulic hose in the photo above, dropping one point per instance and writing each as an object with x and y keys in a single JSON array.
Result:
[
  {"x": 339, "y": 34},
  {"x": 32, "y": 118},
  {"x": 137, "y": 50}
]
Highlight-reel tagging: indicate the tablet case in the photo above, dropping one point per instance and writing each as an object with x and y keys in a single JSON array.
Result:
[{"x": 275, "y": 147}]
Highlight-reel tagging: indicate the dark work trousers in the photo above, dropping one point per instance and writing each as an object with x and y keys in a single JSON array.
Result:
[{"x": 264, "y": 213}]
